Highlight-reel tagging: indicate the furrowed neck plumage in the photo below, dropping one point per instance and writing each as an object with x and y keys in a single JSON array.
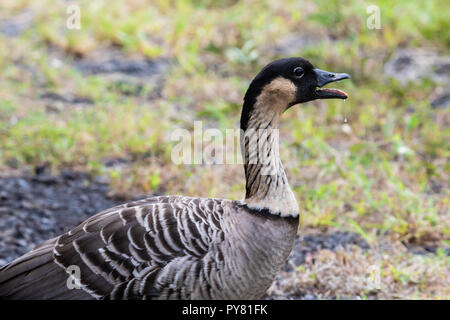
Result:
[{"x": 267, "y": 187}]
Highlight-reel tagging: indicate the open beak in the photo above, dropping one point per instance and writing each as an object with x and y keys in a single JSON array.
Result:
[{"x": 324, "y": 77}]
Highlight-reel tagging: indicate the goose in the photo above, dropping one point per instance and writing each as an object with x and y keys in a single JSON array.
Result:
[{"x": 179, "y": 247}]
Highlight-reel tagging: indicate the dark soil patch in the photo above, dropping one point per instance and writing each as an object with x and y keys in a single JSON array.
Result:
[
  {"x": 137, "y": 75},
  {"x": 441, "y": 102},
  {"x": 426, "y": 249},
  {"x": 129, "y": 75},
  {"x": 36, "y": 208},
  {"x": 139, "y": 67},
  {"x": 69, "y": 98},
  {"x": 312, "y": 243},
  {"x": 412, "y": 64},
  {"x": 16, "y": 25}
]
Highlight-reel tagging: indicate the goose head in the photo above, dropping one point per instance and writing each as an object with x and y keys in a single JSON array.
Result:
[{"x": 287, "y": 82}]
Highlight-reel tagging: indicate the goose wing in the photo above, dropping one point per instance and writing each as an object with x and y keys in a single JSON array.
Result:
[{"x": 160, "y": 247}]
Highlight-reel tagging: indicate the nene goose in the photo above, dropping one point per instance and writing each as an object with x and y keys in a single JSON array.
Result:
[{"x": 176, "y": 247}]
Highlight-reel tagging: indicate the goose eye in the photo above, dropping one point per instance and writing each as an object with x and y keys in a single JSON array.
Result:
[{"x": 298, "y": 72}]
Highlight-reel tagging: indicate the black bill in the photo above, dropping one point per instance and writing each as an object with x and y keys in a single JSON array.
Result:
[{"x": 324, "y": 77}]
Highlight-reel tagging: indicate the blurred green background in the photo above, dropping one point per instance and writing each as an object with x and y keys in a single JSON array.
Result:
[{"x": 115, "y": 89}]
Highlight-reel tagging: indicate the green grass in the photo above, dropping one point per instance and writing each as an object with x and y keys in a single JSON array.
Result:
[{"x": 373, "y": 176}]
